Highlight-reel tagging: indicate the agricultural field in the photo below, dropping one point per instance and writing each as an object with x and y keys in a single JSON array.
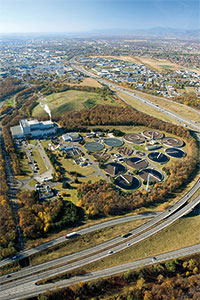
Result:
[{"x": 60, "y": 103}]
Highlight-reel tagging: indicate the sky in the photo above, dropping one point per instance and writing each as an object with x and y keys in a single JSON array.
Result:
[{"x": 21, "y": 16}]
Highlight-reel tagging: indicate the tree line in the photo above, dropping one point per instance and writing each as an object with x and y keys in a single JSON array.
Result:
[
  {"x": 9, "y": 87},
  {"x": 8, "y": 233},
  {"x": 11, "y": 150}
]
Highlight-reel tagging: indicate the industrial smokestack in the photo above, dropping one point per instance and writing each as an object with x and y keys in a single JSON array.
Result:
[{"x": 46, "y": 108}]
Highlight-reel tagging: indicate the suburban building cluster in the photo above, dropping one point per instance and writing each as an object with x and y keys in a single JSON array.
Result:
[
  {"x": 139, "y": 76},
  {"x": 33, "y": 62}
]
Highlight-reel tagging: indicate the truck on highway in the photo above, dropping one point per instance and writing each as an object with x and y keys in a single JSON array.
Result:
[{"x": 71, "y": 235}]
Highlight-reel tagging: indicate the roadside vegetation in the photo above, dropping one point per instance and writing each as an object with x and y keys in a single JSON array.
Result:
[
  {"x": 155, "y": 282},
  {"x": 8, "y": 234},
  {"x": 84, "y": 242},
  {"x": 181, "y": 234}
]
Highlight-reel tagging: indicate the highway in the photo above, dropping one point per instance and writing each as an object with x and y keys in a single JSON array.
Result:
[
  {"x": 31, "y": 274},
  {"x": 30, "y": 289},
  {"x": 44, "y": 246},
  {"x": 140, "y": 229}
]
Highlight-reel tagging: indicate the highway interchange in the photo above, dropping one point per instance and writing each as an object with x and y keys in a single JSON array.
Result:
[{"x": 22, "y": 283}]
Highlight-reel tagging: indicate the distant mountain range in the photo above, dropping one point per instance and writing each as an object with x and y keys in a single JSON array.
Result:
[
  {"x": 161, "y": 32},
  {"x": 157, "y": 31}
]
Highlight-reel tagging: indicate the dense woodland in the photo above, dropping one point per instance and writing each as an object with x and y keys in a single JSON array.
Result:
[
  {"x": 36, "y": 217},
  {"x": 9, "y": 87},
  {"x": 7, "y": 223},
  {"x": 156, "y": 282},
  {"x": 113, "y": 115}
]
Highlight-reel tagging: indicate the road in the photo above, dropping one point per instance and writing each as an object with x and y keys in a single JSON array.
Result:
[
  {"x": 29, "y": 289},
  {"x": 32, "y": 274},
  {"x": 140, "y": 229}
]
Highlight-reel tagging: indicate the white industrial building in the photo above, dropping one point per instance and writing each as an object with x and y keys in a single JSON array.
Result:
[
  {"x": 72, "y": 137},
  {"x": 33, "y": 129}
]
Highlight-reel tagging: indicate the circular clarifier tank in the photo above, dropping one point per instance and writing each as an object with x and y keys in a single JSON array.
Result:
[
  {"x": 175, "y": 152},
  {"x": 127, "y": 182},
  {"x": 94, "y": 146},
  {"x": 158, "y": 157},
  {"x": 114, "y": 168},
  {"x": 151, "y": 174}
]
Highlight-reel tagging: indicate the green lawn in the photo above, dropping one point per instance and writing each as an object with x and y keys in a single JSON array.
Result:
[
  {"x": 71, "y": 194},
  {"x": 182, "y": 233},
  {"x": 69, "y": 165},
  {"x": 86, "y": 241},
  {"x": 60, "y": 103},
  {"x": 166, "y": 67}
]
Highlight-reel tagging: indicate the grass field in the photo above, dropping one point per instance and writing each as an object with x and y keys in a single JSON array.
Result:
[
  {"x": 60, "y": 103},
  {"x": 71, "y": 194},
  {"x": 87, "y": 241},
  {"x": 33, "y": 182},
  {"x": 87, "y": 82},
  {"x": 69, "y": 165},
  {"x": 165, "y": 103},
  {"x": 181, "y": 234},
  {"x": 145, "y": 108},
  {"x": 9, "y": 102}
]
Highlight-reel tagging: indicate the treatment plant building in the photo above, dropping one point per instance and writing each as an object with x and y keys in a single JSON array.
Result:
[{"x": 33, "y": 129}]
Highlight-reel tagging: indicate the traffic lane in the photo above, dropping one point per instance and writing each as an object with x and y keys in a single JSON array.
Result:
[
  {"x": 94, "y": 257},
  {"x": 28, "y": 290},
  {"x": 143, "y": 227}
]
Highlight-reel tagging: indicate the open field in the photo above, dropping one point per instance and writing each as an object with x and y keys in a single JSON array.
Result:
[
  {"x": 60, "y": 103},
  {"x": 87, "y": 241},
  {"x": 86, "y": 82},
  {"x": 33, "y": 182},
  {"x": 181, "y": 234},
  {"x": 165, "y": 103},
  {"x": 69, "y": 165},
  {"x": 71, "y": 194}
]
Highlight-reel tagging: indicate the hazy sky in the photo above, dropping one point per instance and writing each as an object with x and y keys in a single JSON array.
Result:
[{"x": 85, "y": 15}]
